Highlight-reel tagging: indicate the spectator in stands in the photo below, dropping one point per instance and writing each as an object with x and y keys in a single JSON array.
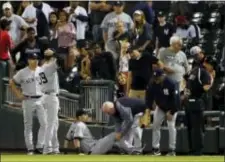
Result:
[
  {"x": 66, "y": 36},
  {"x": 198, "y": 55},
  {"x": 120, "y": 34},
  {"x": 193, "y": 32},
  {"x": 142, "y": 32},
  {"x": 6, "y": 45},
  {"x": 163, "y": 31},
  {"x": 83, "y": 61},
  {"x": 16, "y": 22},
  {"x": 36, "y": 15},
  {"x": 102, "y": 64},
  {"x": 79, "y": 17},
  {"x": 140, "y": 71},
  {"x": 123, "y": 68},
  {"x": 29, "y": 46},
  {"x": 146, "y": 8},
  {"x": 181, "y": 27},
  {"x": 175, "y": 61},
  {"x": 22, "y": 7},
  {"x": 98, "y": 10},
  {"x": 109, "y": 25},
  {"x": 53, "y": 20}
]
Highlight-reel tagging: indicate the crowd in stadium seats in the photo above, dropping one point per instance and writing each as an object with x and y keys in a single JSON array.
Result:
[{"x": 106, "y": 40}]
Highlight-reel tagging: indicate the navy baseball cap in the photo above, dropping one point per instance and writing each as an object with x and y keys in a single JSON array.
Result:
[
  {"x": 158, "y": 73},
  {"x": 161, "y": 14},
  {"x": 32, "y": 56},
  {"x": 119, "y": 3},
  {"x": 81, "y": 112}
]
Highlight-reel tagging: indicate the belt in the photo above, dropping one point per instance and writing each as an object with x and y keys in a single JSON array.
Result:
[
  {"x": 51, "y": 93},
  {"x": 32, "y": 97}
]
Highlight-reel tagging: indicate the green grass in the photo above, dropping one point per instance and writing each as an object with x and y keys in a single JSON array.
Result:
[{"x": 107, "y": 158}]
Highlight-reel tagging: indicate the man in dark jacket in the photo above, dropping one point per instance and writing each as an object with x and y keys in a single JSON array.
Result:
[
  {"x": 165, "y": 93},
  {"x": 102, "y": 64},
  {"x": 126, "y": 113}
]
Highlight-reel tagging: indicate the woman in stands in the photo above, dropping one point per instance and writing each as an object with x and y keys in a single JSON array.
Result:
[{"x": 66, "y": 36}]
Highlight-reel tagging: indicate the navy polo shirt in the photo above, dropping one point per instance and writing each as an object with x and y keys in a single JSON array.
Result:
[{"x": 166, "y": 95}]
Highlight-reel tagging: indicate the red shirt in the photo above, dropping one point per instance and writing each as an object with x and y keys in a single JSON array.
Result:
[{"x": 5, "y": 45}]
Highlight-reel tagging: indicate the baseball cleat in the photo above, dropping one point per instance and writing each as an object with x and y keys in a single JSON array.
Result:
[
  {"x": 156, "y": 152},
  {"x": 171, "y": 153},
  {"x": 30, "y": 152},
  {"x": 38, "y": 151}
]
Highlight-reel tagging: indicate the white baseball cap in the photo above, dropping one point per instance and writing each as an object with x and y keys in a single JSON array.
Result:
[
  {"x": 138, "y": 12},
  {"x": 195, "y": 50},
  {"x": 6, "y": 5}
]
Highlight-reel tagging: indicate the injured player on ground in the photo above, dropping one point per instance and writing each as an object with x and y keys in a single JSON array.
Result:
[{"x": 84, "y": 142}]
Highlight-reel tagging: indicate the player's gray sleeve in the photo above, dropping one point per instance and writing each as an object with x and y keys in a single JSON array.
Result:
[
  {"x": 70, "y": 133},
  {"x": 17, "y": 77},
  {"x": 51, "y": 68},
  {"x": 126, "y": 116}
]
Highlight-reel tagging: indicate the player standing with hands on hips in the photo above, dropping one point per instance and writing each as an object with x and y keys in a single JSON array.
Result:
[
  {"x": 51, "y": 102},
  {"x": 165, "y": 93},
  {"x": 30, "y": 80}
]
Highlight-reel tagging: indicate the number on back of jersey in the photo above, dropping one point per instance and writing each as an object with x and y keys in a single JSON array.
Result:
[{"x": 43, "y": 78}]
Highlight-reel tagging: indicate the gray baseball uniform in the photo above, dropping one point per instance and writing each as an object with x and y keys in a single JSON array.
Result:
[
  {"x": 30, "y": 82},
  {"x": 51, "y": 104},
  {"x": 90, "y": 145}
]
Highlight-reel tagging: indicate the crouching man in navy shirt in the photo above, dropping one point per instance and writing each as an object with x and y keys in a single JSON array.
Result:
[
  {"x": 126, "y": 113},
  {"x": 165, "y": 93}
]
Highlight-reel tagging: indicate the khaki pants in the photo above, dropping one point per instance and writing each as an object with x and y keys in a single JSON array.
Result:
[{"x": 140, "y": 94}]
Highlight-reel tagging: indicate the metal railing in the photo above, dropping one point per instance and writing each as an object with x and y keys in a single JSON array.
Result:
[
  {"x": 69, "y": 102},
  {"x": 95, "y": 93}
]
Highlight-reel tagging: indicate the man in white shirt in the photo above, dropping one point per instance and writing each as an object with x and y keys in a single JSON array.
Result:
[
  {"x": 78, "y": 15},
  {"x": 30, "y": 13},
  {"x": 16, "y": 22},
  {"x": 109, "y": 25}
]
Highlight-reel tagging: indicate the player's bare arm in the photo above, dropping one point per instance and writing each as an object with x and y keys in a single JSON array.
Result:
[{"x": 16, "y": 90}]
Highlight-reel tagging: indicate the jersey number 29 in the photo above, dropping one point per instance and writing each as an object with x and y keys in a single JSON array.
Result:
[{"x": 43, "y": 78}]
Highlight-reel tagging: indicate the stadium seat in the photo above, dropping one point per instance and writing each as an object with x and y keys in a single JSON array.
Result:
[
  {"x": 221, "y": 139},
  {"x": 211, "y": 141}
]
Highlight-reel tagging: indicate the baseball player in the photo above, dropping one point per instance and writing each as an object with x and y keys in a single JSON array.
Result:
[
  {"x": 30, "y": 80},
  {"x": 51, "y": 102},
  {"x": 126, "y": 113},
  {"x": 85, "y": 143},
  {"x": 165, "y": 93}
]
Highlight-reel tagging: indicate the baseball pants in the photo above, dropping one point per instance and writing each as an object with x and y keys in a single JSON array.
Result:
[
  {"x": 31, "y": 106},
  {"x": 134, "y": 136},
  {"x": 105, "y": 144},
  {"x": 51, "y": 104},
  {"x": 158, "y": 118}
]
